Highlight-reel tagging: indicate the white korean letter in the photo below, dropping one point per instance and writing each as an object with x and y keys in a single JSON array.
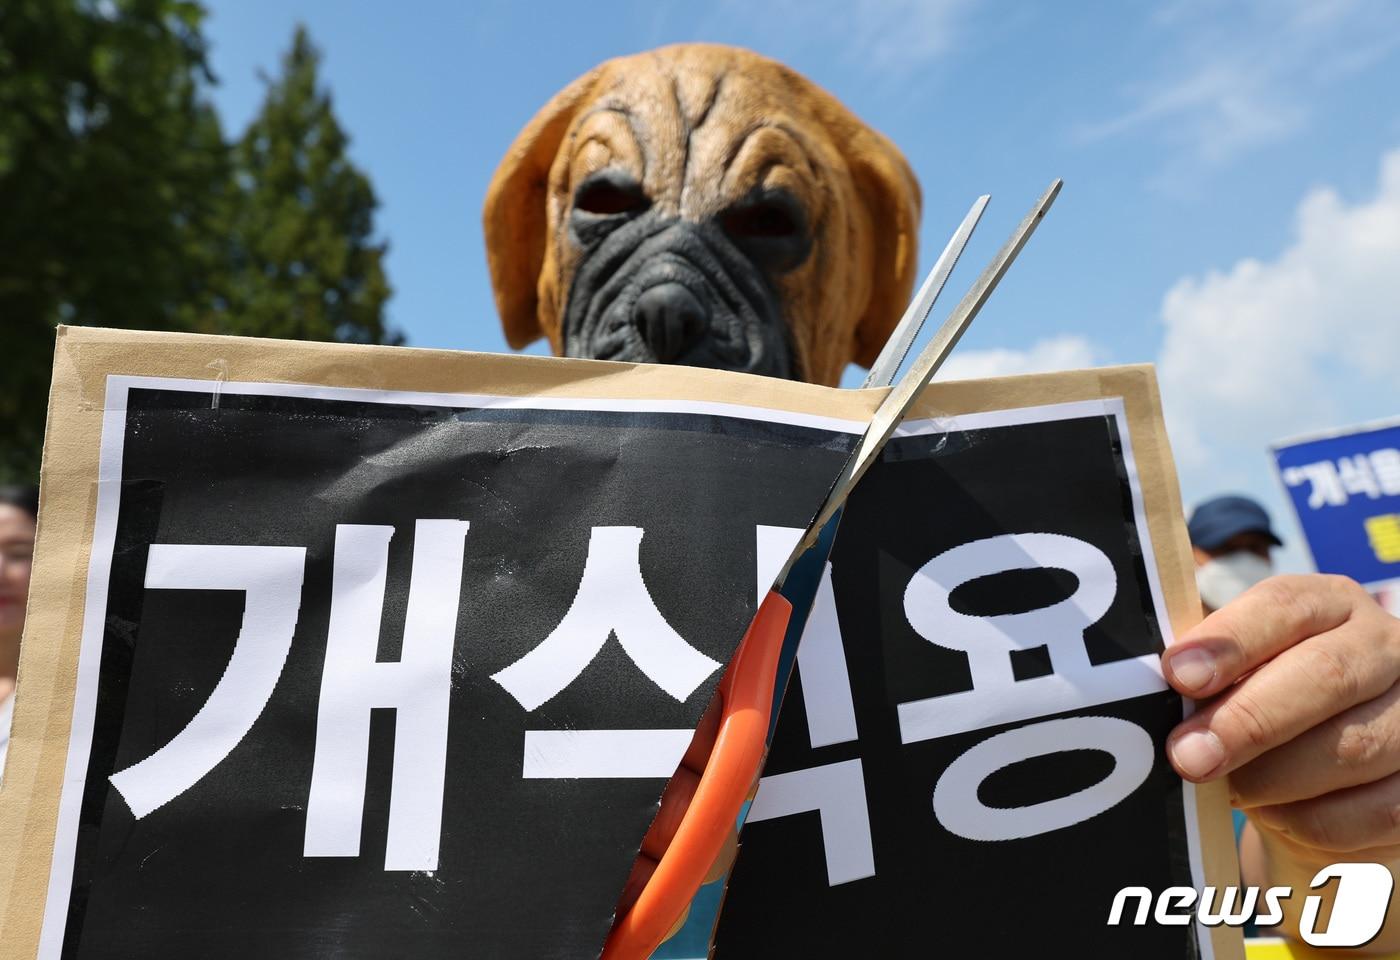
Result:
[
  {"x": 612, "y": 598},
  {"x": 1326, "y": 491},
  {"x": 270, "y": 578},
  {"x": 417, "y": 687},
  {"x": 958, "y": 808},
  {"x": 1386, "y": 464},
  {"x": 644, "y": 754},
  {"x": 988, "y": 641},
  {"x": 837, "y": 792}
]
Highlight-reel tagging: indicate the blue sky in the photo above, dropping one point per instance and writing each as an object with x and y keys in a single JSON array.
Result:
[{"x": 1225, "y": 211}]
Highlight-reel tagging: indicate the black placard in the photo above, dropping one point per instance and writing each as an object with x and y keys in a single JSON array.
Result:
[
  {"x": 894, "y": 817},
  {"x": 524, "y": 865}
]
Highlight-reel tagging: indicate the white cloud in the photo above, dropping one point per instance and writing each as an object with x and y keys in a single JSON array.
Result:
[
  {"x": 1236, "y": 77},
  {"x": 891, "y": 36},
  {"x": 897, "y": 32},
  {"x": 1066, "y": 352},
  {"x": 1269, "y": 349},
  {"x": 1306, "y": 340}
]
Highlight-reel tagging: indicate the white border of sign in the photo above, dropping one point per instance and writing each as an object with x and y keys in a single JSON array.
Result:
[{"x": 1331, "y": 433}]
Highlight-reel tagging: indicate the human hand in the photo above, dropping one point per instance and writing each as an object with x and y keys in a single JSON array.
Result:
[{"x": 1301, "y": 710}]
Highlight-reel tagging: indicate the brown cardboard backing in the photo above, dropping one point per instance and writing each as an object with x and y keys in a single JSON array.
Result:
[{"x": 85, "y": 357}]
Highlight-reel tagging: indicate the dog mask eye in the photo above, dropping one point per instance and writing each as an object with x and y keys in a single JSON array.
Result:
[
  {"x": 610, "y": 193},
  {"x": 771, "y": 227},
  {"x": 767, "y": 220}
]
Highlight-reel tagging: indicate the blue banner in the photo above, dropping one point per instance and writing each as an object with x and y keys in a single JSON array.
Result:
[{"x": 1345, "y": 488}]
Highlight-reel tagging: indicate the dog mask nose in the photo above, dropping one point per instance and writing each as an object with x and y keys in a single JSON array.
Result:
[{"x": 669, "y": 319}]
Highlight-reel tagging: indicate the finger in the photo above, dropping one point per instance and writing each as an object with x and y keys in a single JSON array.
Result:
[
  {"x": 1296, "y": 690},
  {"x": 642, "y": 869},
  {"x": 1267, "y": 619},
  {"x": 1360, "y": 818},
  {"x": 674, "y": 803},
  {"x": 697, "y": 755},
  {"x": 1358, "y": 746}
]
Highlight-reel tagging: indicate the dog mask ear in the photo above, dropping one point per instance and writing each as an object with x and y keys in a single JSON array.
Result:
[
  {"x": 515, "y": 216},
  {"x": 890, "y": 190}
]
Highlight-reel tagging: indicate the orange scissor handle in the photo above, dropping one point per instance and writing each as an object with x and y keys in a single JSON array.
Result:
[{"x": 746, "y": 695}]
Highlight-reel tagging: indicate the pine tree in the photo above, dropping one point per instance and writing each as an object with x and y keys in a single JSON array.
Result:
[
  {"x": 111, "y": 164},
  {"x": 304, "y": 260},
  {"x": 122, "y": 204}
]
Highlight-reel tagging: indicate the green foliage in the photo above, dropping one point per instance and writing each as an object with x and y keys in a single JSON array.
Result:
[
  {"x": 305, "y": 266},
  {"x": 122, "y": 204},
  {"x": 107, "y": 153}
]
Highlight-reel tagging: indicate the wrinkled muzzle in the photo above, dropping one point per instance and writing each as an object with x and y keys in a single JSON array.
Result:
[{"x": 664, "y": 290}]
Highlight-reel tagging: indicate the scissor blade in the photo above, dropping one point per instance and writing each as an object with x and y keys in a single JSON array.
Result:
[
  {"x": 886, "y": 365},
  {"x": 893, "y": 408}
]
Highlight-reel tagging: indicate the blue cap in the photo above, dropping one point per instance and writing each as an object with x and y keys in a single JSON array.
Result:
[{"x": 1220, "y": 518}]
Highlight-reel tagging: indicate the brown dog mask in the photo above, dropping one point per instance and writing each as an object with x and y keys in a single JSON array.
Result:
[{"x": 704, "y": 205}]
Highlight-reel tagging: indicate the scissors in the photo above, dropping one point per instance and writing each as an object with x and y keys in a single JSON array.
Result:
[{"x": 747, "y": 689}]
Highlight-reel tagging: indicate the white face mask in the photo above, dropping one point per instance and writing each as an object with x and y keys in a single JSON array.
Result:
[{"x": 1222, "y": 579}]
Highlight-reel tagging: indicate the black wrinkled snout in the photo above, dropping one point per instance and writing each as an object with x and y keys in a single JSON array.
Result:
[{"x": 656, "y": 289}]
